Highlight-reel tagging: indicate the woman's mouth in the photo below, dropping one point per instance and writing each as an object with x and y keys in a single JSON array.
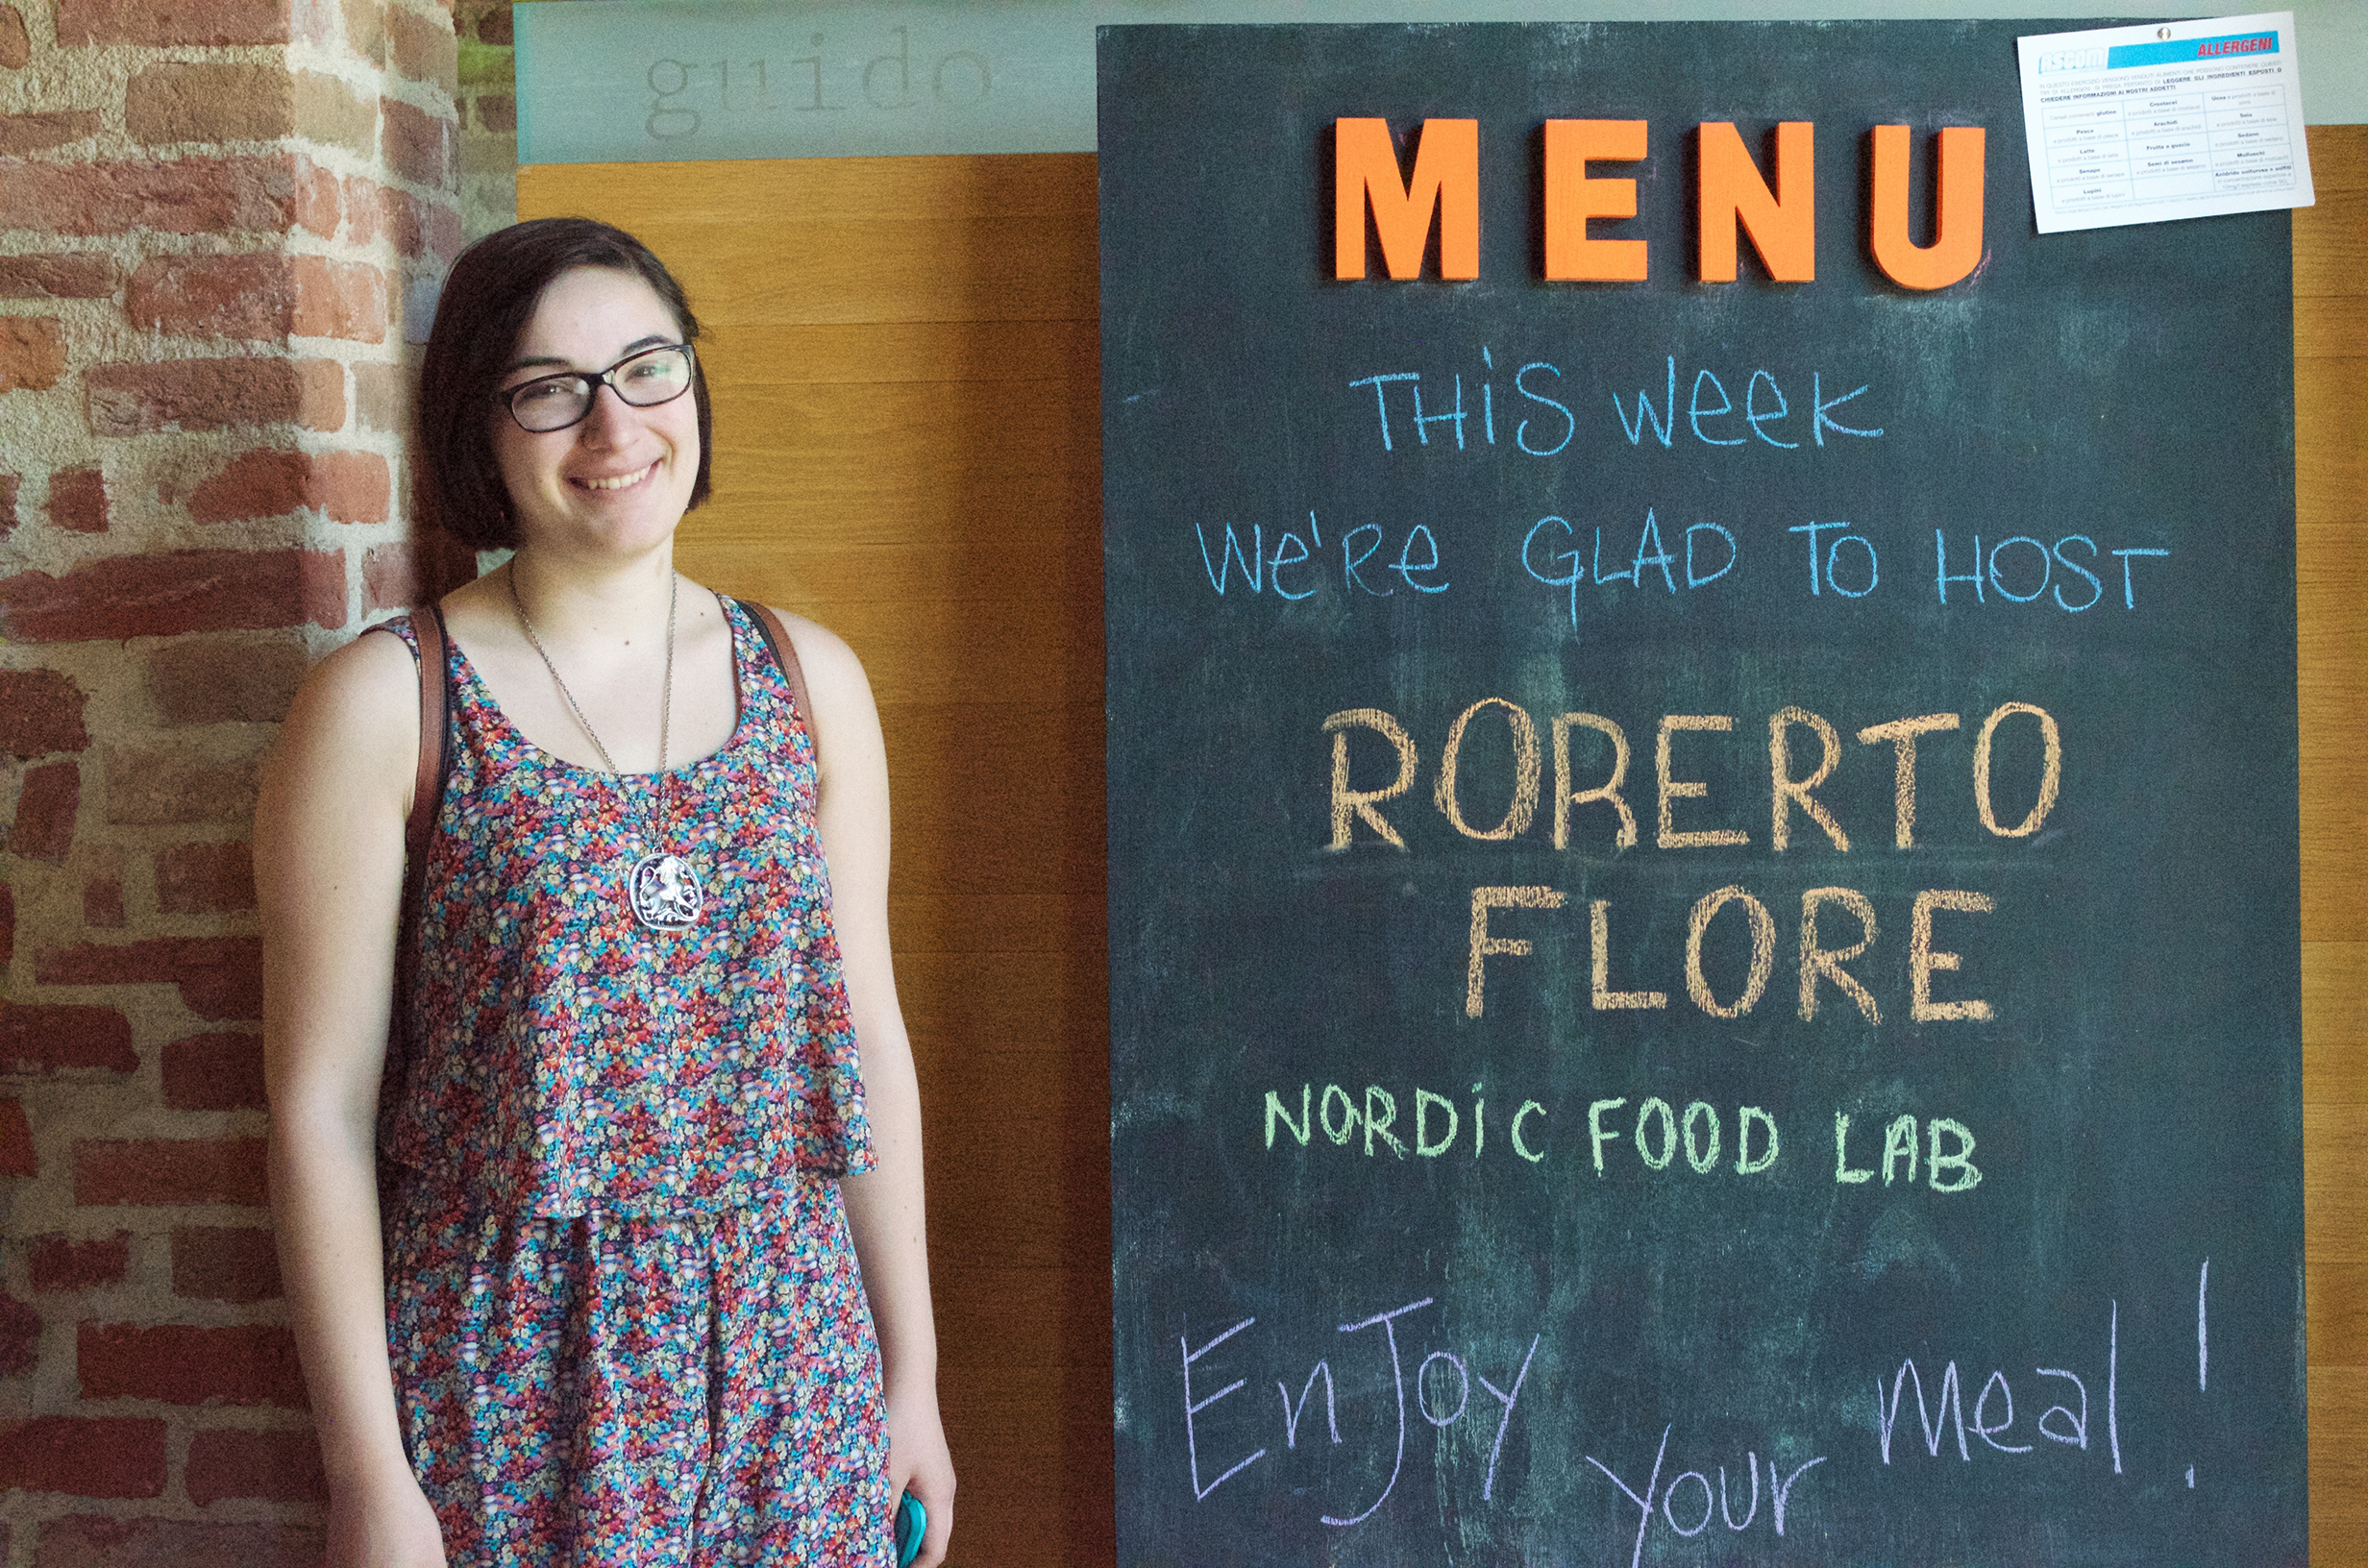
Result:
[{"x": 620, "y": 482}]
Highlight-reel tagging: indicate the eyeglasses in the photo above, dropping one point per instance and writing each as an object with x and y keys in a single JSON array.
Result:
[{"x": 644, "y": 379}]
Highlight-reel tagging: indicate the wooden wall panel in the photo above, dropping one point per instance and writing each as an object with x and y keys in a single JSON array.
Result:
[
  {"x": 908, "y": 447},
  {"x": 2330, "y": 493}
]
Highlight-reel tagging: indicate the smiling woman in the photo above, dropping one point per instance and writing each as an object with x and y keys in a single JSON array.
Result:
[
  {"x": 617, "y": 1255},
  {"x": 571, "y": 459},
  {"x": 481, "y": 353}
]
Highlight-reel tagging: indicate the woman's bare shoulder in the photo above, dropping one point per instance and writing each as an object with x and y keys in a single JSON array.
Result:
[
  {"x": 370, "y": 682},
  {"x": 844, "y": 717},
  {"x": 830, "y": 666},
  {"x": 815, "y": 641},
  {"x": 356, "y": 719}
]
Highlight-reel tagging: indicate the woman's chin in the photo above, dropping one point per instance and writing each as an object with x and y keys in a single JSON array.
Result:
[{"x": 627, "y": 522}]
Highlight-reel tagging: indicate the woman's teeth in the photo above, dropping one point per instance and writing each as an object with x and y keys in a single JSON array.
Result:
[{"x": 618, "y": 482}]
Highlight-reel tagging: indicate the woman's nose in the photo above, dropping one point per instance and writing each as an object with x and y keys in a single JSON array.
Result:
[{"x": 610, "y": 414}]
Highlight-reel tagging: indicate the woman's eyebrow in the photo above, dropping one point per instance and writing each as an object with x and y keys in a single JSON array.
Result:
[{"x": 651, "y": 341}]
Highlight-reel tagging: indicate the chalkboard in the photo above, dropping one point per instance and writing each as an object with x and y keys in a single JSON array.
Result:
[{"x": 1702, "y": 873}]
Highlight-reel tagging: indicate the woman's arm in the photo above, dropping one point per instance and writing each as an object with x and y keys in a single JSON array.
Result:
[
  {"x": 884, "y": 1206},
  {"x": 329, "y": 873}
]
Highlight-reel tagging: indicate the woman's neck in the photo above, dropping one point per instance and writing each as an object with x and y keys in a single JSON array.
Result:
[{"x": 570, "y": 600}]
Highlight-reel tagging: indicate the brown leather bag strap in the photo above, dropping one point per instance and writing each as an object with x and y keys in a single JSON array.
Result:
[
  {"x": 428, "y": 790},
  {"x": 434, "y": 743},
  {"x": 785, "y": 654},
  {"x": 419, "y": 828}
]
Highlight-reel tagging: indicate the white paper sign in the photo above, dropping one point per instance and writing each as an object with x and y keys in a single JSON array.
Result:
[{"x": 2166, "y": 120}]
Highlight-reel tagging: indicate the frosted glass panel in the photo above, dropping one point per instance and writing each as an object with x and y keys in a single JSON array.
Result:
[{"x": 634, "y": 80}]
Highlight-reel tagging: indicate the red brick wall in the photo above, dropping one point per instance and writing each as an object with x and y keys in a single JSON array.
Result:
[
  {"x": 214, "y": 217},
  {"x": 488, "y": 106}
]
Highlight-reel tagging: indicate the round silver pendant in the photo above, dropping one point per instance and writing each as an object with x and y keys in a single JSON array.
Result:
[{"x": 665, "y": 893}]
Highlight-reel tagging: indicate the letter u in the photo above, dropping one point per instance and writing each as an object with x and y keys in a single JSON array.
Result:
[{"x": 1957, "y": 227}]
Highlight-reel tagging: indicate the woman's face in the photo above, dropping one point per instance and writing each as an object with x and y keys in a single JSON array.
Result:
[{"x": 618, "y": 481}]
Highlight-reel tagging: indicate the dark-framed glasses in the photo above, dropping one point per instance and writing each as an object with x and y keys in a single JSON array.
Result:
[{"x": 644, "y": 379}]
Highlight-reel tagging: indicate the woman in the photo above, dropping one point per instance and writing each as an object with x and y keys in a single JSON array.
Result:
[{"x": 601, "y": 1307}]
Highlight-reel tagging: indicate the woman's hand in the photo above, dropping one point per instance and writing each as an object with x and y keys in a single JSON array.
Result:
[
  {"x": 920, "y": 1463},
  {"x": 388, "y": 1524}
]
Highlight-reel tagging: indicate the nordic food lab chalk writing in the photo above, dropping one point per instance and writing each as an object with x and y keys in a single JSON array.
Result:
[{"x": 1703, "y": 873}]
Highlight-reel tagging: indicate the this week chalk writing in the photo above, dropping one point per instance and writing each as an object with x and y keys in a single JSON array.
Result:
[{"x": 1540, "y": 421}]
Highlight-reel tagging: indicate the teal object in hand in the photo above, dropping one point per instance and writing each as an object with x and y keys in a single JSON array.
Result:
[{"x": 912, "y": 1523}]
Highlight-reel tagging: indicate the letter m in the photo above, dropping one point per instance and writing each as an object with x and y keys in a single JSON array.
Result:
[
  {"x": 1934, "y": 1422},
  {"x": 1446, "y": 183}
]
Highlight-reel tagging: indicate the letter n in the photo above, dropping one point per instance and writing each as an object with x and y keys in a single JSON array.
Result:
[
  {"x": 1446, "y": 183},
  {"x": 1783, "y": 223}
]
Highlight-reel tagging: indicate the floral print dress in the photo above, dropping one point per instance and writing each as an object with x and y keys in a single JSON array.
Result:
[{"x": 623, "y": 1311}]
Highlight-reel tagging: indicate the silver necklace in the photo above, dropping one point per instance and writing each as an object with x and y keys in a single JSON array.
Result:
[{"x": 661, "y": 888}]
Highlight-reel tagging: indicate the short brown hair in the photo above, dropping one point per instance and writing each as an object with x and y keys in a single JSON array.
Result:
[{"x": 488, "y": 298}]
